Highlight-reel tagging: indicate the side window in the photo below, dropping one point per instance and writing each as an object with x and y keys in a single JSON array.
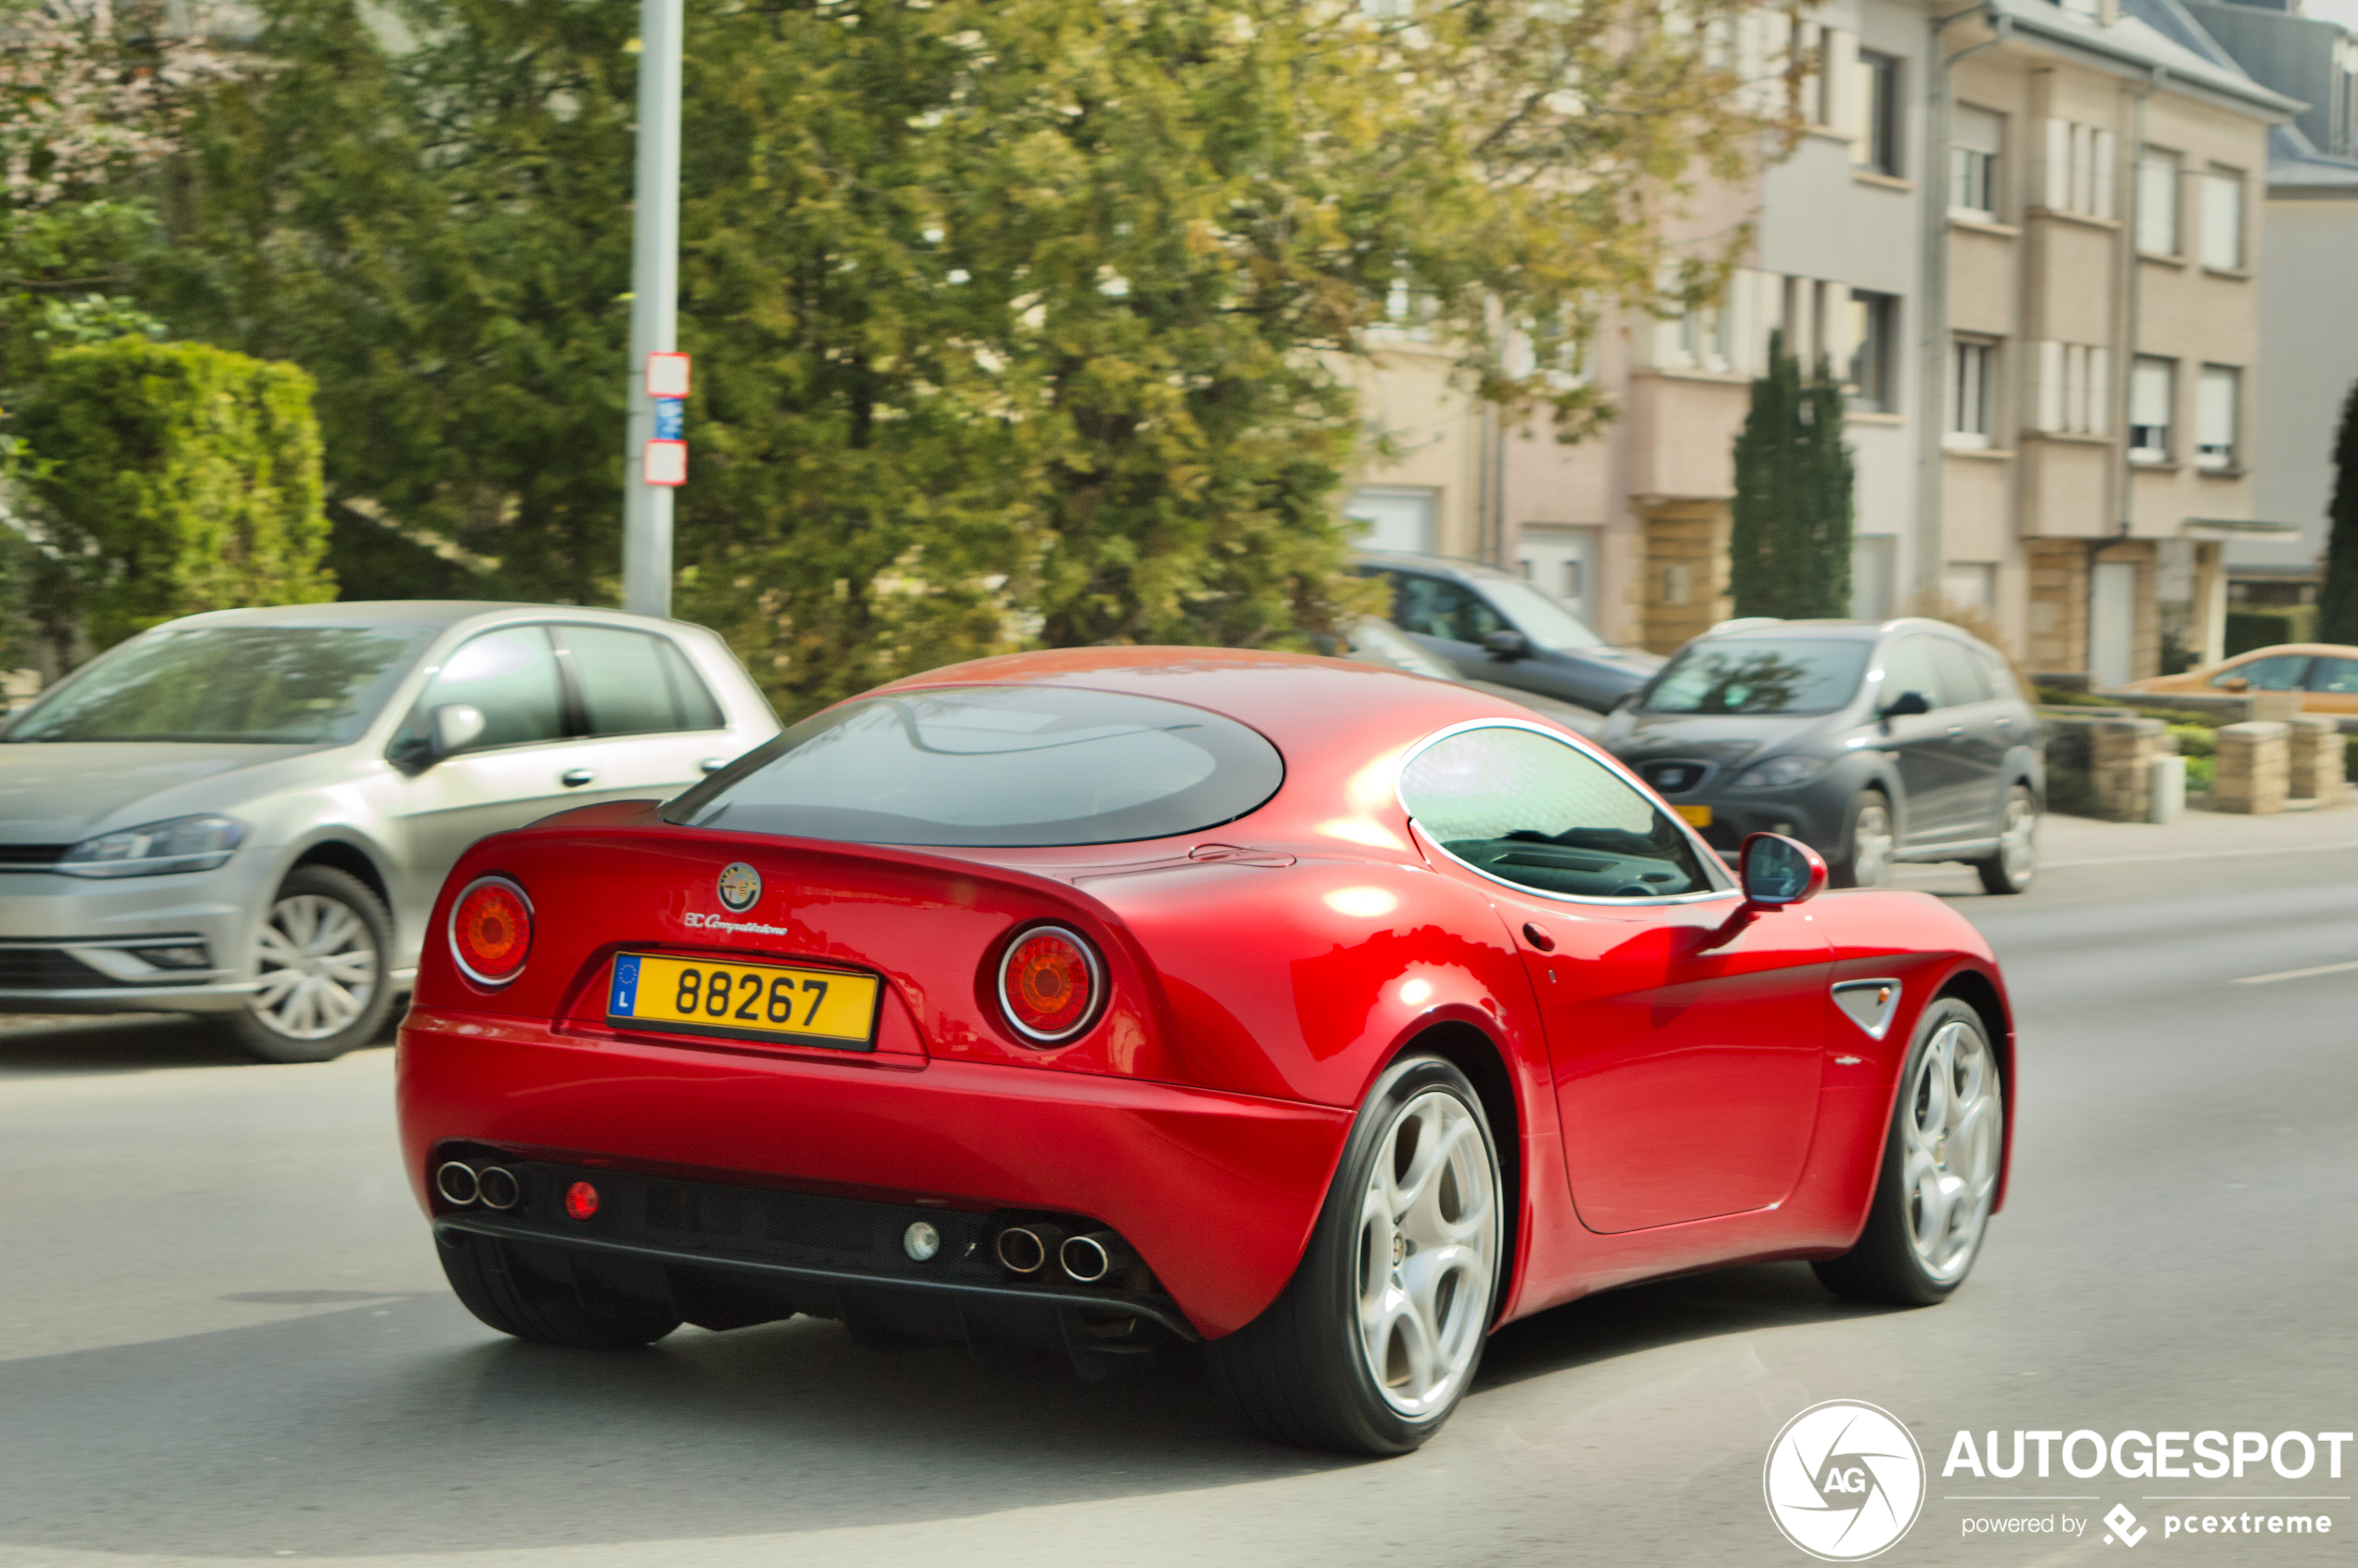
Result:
[
  {"x": 511, "y": 676},
  {"x": 1431, "y": 607},
  {"x": 2334, "y": 675},
  {"x": 635, "y": 683},
  {"x": 1960, "y": 674},
  {"x": 1909, "y": 667},
  {"x": 2280, "y": 672},
  {"x": 1535, "y": 812},
  {"x": 2001, "y": 680}
]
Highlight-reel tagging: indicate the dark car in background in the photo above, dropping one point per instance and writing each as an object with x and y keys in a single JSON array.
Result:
[
  {"x": 1873, "y": 744},
  {"x": 1495, "y": 627}
]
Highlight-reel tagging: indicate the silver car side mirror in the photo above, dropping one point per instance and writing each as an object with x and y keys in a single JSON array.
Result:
[{"x": 456, "y": 727}]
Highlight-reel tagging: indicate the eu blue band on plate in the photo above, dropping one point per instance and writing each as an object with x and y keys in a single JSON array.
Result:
[{"x": 624, "y": 1001}]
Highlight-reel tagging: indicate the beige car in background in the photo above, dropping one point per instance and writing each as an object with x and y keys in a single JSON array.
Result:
[
  {"x": 248, "y": 813},
  {"x": 2326, "y": 674}
]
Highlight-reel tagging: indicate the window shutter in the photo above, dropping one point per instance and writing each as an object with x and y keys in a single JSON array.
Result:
[
  {"x": 2099, "y": 392},
  {"x": 2075, "y": 396},
  {"x": 2056, "y": 185},
  {"x": 2051, "y": 384},
  {"x": 1746, "y": 338},
  {"x": 2082, "y": 162},
  {"x": 1838, "y": 332},
  {"x": 2107, "y": 155},
  {"x": 1845, "y": 100}
]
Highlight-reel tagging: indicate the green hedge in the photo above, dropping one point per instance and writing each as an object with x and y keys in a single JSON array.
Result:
[{"x": 171, "y": 478}]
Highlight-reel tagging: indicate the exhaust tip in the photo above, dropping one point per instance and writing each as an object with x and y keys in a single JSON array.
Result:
[
  {"x": 1095, "y": 1258},
  {"x": 1022, "y": 1250},
  {"x": 455, "y": 1183},
  {"x": 497, "y": 1188}
]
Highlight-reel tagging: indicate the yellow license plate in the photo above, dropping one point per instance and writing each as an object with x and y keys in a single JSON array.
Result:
[
  {"x": 1699, "y": 815},
  {"x": 744, "y": 1001}
]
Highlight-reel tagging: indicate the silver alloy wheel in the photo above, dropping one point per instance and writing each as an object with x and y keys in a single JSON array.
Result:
[
  {"x": 317, "y": 968},
  {"x": 1951, "y": 1135},
  {"x": 1871, "y": 844},
  {"x": 1428, "y": 1253},
  {"x": 2018, "y": 838}
]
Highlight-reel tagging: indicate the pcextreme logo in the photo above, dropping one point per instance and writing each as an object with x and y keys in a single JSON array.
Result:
[{"x": 1844, "y": 1481}]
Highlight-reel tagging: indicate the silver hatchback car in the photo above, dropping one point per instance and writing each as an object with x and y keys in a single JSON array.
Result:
[{"x": 250, "y": 812}]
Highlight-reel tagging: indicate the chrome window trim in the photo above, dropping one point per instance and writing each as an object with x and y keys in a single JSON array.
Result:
[{"x": 1713, "y": 867}]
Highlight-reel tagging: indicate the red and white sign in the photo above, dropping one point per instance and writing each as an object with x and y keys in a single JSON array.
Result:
[
  {"x": 665, "y": 463},
  {"x": 666, "y": 375}
]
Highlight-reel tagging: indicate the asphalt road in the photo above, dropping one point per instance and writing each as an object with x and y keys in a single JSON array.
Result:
[{"x": 223, "y": 1334}]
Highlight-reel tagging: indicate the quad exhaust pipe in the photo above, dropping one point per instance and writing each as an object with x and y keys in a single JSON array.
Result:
[
  {"x": 1034, "y": 1251},
  {"x": 494, "y": 1186}
]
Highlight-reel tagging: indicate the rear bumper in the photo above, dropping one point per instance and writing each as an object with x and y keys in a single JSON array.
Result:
[{"x": 1217, "y": 1192}]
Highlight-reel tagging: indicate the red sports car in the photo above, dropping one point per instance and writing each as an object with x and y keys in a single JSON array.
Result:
[{"x": 1321, "y": 1015}]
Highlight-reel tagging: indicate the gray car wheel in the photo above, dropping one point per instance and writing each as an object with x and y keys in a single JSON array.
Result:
[
  {"x": 2016, "y": 861},
  {"x": 321, "y": 956},
  {"x": 1868, "y": 840}
]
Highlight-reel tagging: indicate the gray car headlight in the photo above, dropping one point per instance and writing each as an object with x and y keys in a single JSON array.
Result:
[
  {"x": 153, "y": 848},
  {"x": 1780, "y": 773}
]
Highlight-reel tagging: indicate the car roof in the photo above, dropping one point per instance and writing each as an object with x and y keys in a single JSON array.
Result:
[
  {"x": 407, "y": 612},
  {"x": 1439, "y": 565},
  {"x": 1843, "y": 630}
]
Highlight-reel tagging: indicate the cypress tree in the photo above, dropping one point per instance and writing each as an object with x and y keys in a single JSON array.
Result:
[
  {"x": 1789, "y": 545},
  {"x": 2337, "y": 603}
]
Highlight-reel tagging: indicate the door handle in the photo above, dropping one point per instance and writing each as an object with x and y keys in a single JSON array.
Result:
[
  {"x": 574, "y": 778},
  {"x": 1956, "y": 731},
  {"x": 1538, "y": 937},
  {"x": 713, "y": 764}
]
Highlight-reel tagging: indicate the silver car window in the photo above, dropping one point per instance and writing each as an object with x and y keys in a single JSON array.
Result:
[
  {"x": 1523, "y": 807},
  {"x": 511, "y": 675},
  {"x": 1909, "y": 666},
  {"x": 634, "y": 683}
]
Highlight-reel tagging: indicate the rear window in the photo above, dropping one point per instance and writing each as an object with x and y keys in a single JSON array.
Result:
[
  {"x": 994, "y": 767},
  {"x": 1753, "y": 675}
]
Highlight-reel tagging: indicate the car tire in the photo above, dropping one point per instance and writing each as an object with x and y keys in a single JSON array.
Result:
[
  {"x": 323, "y": 955},
  {"x": 1868, "y": 836},
  {"x": 1918, "y": 1244},
  {"x": 525, "y": 1307},
  {"x": 1368, "y": 1359},
  {"x": 2016, "y": 864}
]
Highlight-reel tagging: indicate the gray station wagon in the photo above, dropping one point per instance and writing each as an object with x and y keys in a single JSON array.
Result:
[{"x": 249, "y": 812}]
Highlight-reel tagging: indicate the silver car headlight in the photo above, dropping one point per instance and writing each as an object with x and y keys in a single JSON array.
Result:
[
  {"x": 153, "y": 848},
  {"x": 1780, "y": 773}
]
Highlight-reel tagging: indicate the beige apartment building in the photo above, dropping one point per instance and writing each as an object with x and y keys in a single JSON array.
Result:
[{"x": 2096, "y": 330}]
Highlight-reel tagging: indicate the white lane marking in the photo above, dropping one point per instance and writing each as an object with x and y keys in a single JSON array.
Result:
[
  {"x": 2297, "y": 974},
  {"x": 2197, "y": 855}
]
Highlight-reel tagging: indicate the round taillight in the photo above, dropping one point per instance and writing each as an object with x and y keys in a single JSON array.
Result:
[
  {"x": 491, "y": 930},
  {"x": 1049, "y": 983},
  {"x": 581, "y": 1201}
]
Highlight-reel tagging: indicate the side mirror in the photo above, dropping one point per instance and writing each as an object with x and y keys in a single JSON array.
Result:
[
  {"x": 456, "y": 727},
  {"x": 1507, "y": 644},
  {"x": 1777, "y": 871},
  {"x": 2236, "y": 683},
  {"x": 1906, "y": 704}
]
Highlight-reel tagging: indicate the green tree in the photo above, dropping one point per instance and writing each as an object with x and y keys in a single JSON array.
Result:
[
  {"x": 1789, "y": 540},
  {"x": 1017, "y": 320},
  {"x": 172, "y": 478},
  {"x": 2338, "y": 602}
]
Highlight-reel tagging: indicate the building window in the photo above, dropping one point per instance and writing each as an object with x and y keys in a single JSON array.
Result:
[
  {"x": 2215, "y": 414},
  {"x": 1869, "y": 379},
  {"x": 1401, "y": 517},
  {"x": 2223, "y": 220},
  {"x": 2158, "y": 202},
  {"x": 2073, "y": 380},
  {"x": 1878, "y": 147},
  {"x": 2079, "y": 170},
  {"x": 2092, "y": 9},
  {"x": 1972, "y": 382},
  {"x": 1971, "y": 586},
  {"x": 1977, "y": 137},
  {"x": 2153, "y": 389}
]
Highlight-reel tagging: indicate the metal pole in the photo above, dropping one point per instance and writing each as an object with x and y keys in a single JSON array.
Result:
[{"x": 654, "y": 303}]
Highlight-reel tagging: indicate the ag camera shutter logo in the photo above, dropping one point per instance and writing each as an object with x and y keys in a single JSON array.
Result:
[{"x": 1844, "y": 1481}]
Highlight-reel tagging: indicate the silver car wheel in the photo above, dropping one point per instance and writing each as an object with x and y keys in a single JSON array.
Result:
[
  {"x": 1428, "y": 1253},
  {"x": 1951, "y": 1138},
  {"x": 319, "y": 968},
  {"x": 1871, "y": 844},
  {"x": 2018, "y": 838}
]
